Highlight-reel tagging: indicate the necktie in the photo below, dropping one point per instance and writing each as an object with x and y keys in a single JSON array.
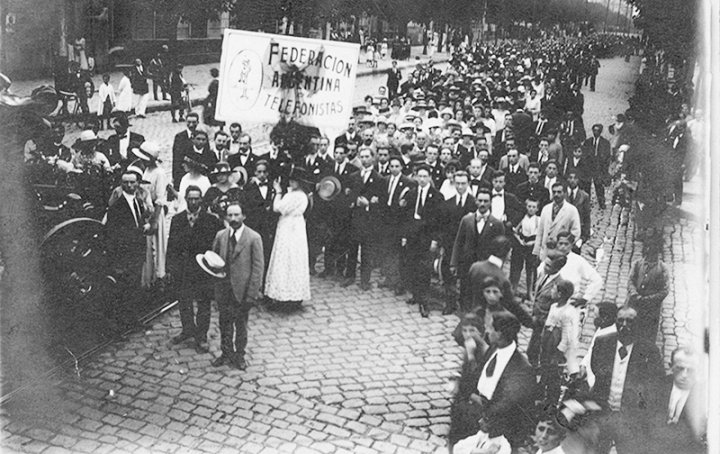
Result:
[
  {"x": 365, "y": 175},
  {"x": 623, "y": 352},
  {"x": 391, "y": 191},
  {"x": 233, "y": 242},
  {"x": 490, "y": 369},
  {"x": 459, "y": 201},
  {"x": 555, "y": 211},
  {"x": 419, "y": 204}
]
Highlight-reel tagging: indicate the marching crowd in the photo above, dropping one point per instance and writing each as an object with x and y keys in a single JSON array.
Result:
[{"x": 460, "y": 171}]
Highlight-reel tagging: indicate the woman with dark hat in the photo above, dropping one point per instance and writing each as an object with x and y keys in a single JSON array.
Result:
[
  {"x": 222, "y": 186},
  {"x": 288, "y": 276}
]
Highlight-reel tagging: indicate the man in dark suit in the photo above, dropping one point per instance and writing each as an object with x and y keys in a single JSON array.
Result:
[
  {"x": 454, "y": 209},
  {"x": 382, "y": 166},
  {"x": 506, "y": 387},
  {"x": 336, "y": 251},
  {"x": 480, "y": 174},
  {"x": 126, "y": 227},
  {"x": 241, "y": 248},
  {"x": 628, "y": 371},
  {"x": 543, "y": 125},
  {"x": 394, "y": 76},
  {"x": 515, "y": 167},
  {"x": 244, "y": 157},
  {"x": 365, "y": 191},
  {"x": 581, "y": 166},
  {"x": 182, "y": 144},
  {"x": 572, "y": 130},
  {"x": 580, "y": 200},
  {"x": 421, "y": 236},
  {"x": 542, "y": 298},
  {"x": 200, "y": 151},
  {"x": 258, "y": 196},
  {"x": 120, "y": 144},
  {"x": 392, "y": 218},
  {"x": 192, "y": 232},
  {"x": 474, "y": 234},
  {"x": 350, "y": 135},
  {"x": 679, "y": 421},
  {"x": 504, "y": 205},
  {"x": 437, "y": 171},
  {"x": 533, "y": 188},
  {"x": 597, "y": 148}
]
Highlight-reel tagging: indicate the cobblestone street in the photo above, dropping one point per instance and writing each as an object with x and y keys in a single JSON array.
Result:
[{"x": 352, "y": 371}]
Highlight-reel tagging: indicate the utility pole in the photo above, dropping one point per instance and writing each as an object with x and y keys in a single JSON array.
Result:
[{"x": 607, "y": 16}]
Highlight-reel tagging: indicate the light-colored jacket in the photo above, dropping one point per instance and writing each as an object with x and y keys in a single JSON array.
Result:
[
  {"x": 244, "y": 269},
  {"x": 567, "y": 218}
]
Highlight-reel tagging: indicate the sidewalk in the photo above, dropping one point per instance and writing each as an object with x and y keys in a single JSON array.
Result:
[{"x": 198, "y": 76}]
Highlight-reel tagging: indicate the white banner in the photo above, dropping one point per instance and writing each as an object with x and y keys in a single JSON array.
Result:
[{"x": 265, "y": 77}]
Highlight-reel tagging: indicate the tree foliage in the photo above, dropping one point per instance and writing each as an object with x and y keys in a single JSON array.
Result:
[{"x": 670, "y": 25}]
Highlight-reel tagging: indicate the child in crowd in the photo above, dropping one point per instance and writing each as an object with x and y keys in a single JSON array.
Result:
[{"x": 522, "y": 256}]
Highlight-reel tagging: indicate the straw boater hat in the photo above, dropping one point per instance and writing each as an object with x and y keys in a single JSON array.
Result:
[
  {"x": 239, "y": 173},
  {"x": 138, "y": 168},
  {"x": 148, "y": 151},
  {"x": 328, "y": 188},
  {"x": 87, "y": 139},
  {"x": 212, "y": 264}
]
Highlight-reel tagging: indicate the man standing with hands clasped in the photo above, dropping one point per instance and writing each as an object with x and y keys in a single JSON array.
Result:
[{"x": 242, "y": 249}]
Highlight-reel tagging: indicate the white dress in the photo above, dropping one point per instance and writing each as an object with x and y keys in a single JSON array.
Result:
[
  {"x": 125, "y": 96},
  {"x": 288, "y": 276},
  {"x": 154, "y": 266}
]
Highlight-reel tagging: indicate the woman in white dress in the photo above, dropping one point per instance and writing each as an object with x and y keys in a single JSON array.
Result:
[
  {"x": 288, "y": 276},
  {"x": 125, "y": 96},
  {"x": 155, "y": 182}
]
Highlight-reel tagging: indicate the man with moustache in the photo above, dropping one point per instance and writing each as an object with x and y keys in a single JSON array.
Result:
[
  {"x": 242, "y": 249},
  {"x": 257, "y": 198},
  {"x": 244, "y": 157},
  {"x": 597, "y": 148},
  {"x": 120, "y": 144},
  {"x": 556, "y": 217},
  {"x": 474, "y": 235},
  {"x": 191, "y": 232}
]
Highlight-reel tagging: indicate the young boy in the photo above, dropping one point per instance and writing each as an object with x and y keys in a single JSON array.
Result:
[
  {"x": 106, "y": 103},
  {"x": 549, "y": 434},
  {"x": 559, "y": 340},
  {"x": 522, "y": 255}
]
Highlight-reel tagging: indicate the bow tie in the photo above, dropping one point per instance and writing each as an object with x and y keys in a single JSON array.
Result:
[
  {"x": 122, "y": 137},
  {"x": 260, "y": 183},
  {"x": 475, "y": 181},
  {"x": 246, "y": 154},
  {"x": 497, "y": 194},
  {"x": 482, "y": 217}
]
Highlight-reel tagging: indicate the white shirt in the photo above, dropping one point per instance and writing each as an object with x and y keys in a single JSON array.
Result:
[
  {"x": 422, "y": 192},
  {"x": 393, "y": 184},
  {"x": 481, "y": 440},
  {"x": 481, "y": 222},
  {"x": 238, "y": 233},
  {"x": 579, "y": 271},
  {"x": 567, "y": 319},
  {"x": 365, "y": 174},
  {"x": 617, "y": 383},
  {"x": 132, "y": 203},
  {"x": 263, "y": 189},
  {"x": 461, "y": 198},
  {"x": 106, "y": 91},
  {"x": 572, "y": 193},
  {"x": 123, "y": 145},
  {"x": 497, "y": 208},
  {"x": 549, "y": 182},
  {"x": 678, "y": 399},
  {"x": 558, "y": 450},
  {"x": 486, "y": 385}
]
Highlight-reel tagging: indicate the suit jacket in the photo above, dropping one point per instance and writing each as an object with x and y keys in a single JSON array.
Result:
[
  {"x": 182, "y": 143},
  {"x": 471, "y": 246},
  {"x": 185, "y": 242},
  {"x": 365, "y": 219},
  {"x": 644, "y": 373},
  {"x": 206, "y": 158},
  {"x": 542, "y": 295},
  {"x": 514, "y": 210},
  {"x": 125, "y": 241},
  {"x": 437, "y": 174},
  {"x": 235, "y": 160},
  {"x": 428, "y": 227},
  {"x": 600, "y": 162},
  {"x": 516, "y": 391},
  {"x": 317, "y": 169},
  {"x": 244, "y": 267},
  {"x": 138, "y": 80},
  {"x": 385, "y": 171},
  {"x": 567, "y": 218},
  {"x": 583, "y": 168},
  {"x": 523, "y": 162},
  {"x": 394, "y": 215},
  {"x": 452, "y": 215},
  {"x": 547, "y": 125},
  {"x": 581, "y": 201},
  {"x": 343, "y": 139},
  {"x": 259, "y": 210},
  {"x": 535, "y": 191},
  {"x": 113, "y": 149}
]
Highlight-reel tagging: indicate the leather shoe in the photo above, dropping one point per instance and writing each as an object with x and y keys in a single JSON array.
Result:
[
  {"x": 221, "y": 361},
  {"x": 180, "y": 338},
  {"x": 238, "y": 363},
  {"x": 423, "y": 310},
  {"x": 365, "y": 286},
  {"x": 202, "y": 347},
  {"x": 449, "y": 309},
  {"x": 347, "y": 282}
]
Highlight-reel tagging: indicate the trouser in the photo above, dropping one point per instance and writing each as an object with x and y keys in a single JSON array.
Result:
[
  {"x": 449, "y": 281},
  {"x": 648, "y": 317},
  {"x": 195, "y": 324},
  {"x": 533, "y": 348},
  {"x": 141, "y": 101},
  {"x": 176, "y": 105},
  {"x": 418, "y": 266},
  {"x": 366, "y": 259},
  {"x": 390, "y": 259},
  {"x": 593, "y": 78},
  {"x": 336, "y": 251},
  {"x": 233, "y": 325},
  {"x": 467, "y": 301},
  {"x": 522, "y": 257},
  {"x": 599, "y": 190},
  {"x": 159, "y": 83},
  {"x": 317, "y": 235}
]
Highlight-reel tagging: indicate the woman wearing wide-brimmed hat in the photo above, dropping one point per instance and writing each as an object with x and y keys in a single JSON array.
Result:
[
  {"x": 195, "y": 176},
  {"x": 222, "y": 186},
  {"x": 288, "y": 276},
  {"x": 155, "y": 183},
  {"x": 87, "y": 156}
]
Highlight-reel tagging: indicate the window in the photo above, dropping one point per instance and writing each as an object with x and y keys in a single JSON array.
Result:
[
  {"x": 183, "y": 29},
  {"x": 215, "y": 27},
  {"x": 144, "y": 23}
]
